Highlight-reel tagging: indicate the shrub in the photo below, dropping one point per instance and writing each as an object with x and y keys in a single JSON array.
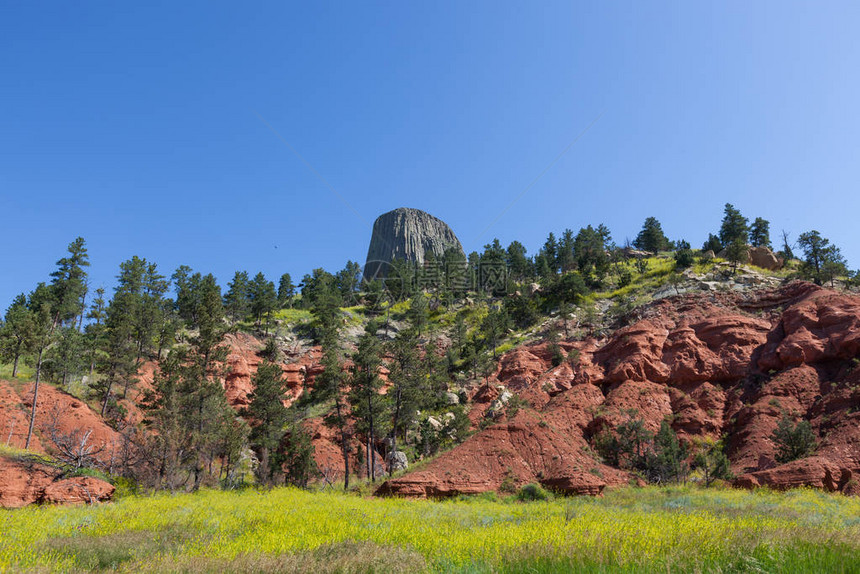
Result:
[
  {"x": 532, "y": 492},
  {"x": 684, "y": 258},
  {"x": 793, "y": 440}
]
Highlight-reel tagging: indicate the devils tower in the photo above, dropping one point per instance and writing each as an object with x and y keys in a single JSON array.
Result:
[{"x": 406, "y": 233}]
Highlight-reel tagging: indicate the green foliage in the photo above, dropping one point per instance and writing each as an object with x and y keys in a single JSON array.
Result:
[
  {"x": 713, "y": 244},
  {"x": 667, "y": 461},
  {"x": 793, "y": 440},
  {"x": 286, "y": 291},
  {"x": 268, "y": 417},
  {"x": 713, "y": 463},
  {"x": 760, "y": 233},
  {"x": 522, "y": 310},
  {"x": 651, "y": 237},
  {"x": 531, "y": 493},
  {"x": 822, "y": 260},
  {"x": 734, "y": 228},
  {"x": 684, "y": 255},
  {"x": 650, "y": 530},
  {"x": 299, "y": 462},
  {"x": 237, "y": 299}
]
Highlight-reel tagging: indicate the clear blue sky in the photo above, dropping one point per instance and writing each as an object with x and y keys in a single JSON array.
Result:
[{"x": 138, "y": 126}]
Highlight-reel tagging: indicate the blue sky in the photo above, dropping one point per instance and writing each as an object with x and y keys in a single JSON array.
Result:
[{"x": 145, "y": 128}]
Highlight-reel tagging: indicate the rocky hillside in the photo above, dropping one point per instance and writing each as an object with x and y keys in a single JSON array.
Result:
[
  {"x": 714, "y": 364},
  {"x": 406, "y": 234}
]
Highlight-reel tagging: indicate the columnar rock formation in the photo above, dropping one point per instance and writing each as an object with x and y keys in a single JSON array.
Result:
[{"x": 408, "y": 234}]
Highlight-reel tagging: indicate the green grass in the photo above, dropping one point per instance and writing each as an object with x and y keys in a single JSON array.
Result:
[
  {"x": 293, "y": 315},
  {"x": 25, "y": 372},
  {"x": 681, "y": 529}
]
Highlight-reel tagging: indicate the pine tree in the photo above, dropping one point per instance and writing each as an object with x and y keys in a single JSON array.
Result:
[
  {"x": 66, "y": 358},
  {"x": 69, "y": 284},
  {"x": 406, "y": 389},
  {"x": 264, "y": 299},
  {"x": 348, "y": 281},
  {"x": 566, "y": 259},
  {"x": 268, "y": 417},
  {"x": 550, "y": 253},
  {"x": 822, "y": 260},
  {"x": 793, "y": 440},
  {"x": 712, "y": 244},
  {"x": 735, "y": 227},
  {"x": 493, "y": 328},
  {"x": 299, "y": 461},
  {"x": 760, "y": 233},
  {"x": 286, "y": 291},
  {"x": 590, "y": 248},
  {"x": 15, "y": 332},
  {"x": 651, "y": 237},
  {"x": 39, "y": 339},
  {"x": 417, "y": 313},
  {"x": 237, "y": 299},
  {"x": 365, "y": 401}
]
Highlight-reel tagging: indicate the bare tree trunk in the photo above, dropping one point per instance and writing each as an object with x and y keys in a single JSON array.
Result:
[
  {"x": 35, "y": 398},
  {"x": 15, "y": 365},
  {"x": 107, "y": 396},
  {"x": 344, "y": 443}
]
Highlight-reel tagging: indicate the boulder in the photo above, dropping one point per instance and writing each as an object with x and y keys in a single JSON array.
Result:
[
  {"x": 764, "y": 258},
  {"x": 397, "y": 461}
]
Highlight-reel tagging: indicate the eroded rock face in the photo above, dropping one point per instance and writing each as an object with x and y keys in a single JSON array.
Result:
[
  {"x": 27, "y": 482},
  {"x": 408, "y": 234},
  {"x": 714, "y": 364}
]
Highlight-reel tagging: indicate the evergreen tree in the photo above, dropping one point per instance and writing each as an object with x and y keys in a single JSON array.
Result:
[
  {"x": 786, "y": 246},
  {"x": 651, "y": 237},
  {"x": 187, "y": 287},
  {"x": 95, "y": 329},
  {"x": 237, "y": 299},
  {"x": 550, "y": 253},
  {"x": 268, "y": 417},
  {"x": 263, "y": 298},
  {"x": 822, "y": 260},
  {"x": 683, "y": 255},
  {"x": 713, "y": 463},
  {"x": 590, "y": 249},
  {"x": 667, "y": 462},
  {"x": 170, "y": 444},
  {"x": 735, "y": 227},
  {"x": 348, "y": 280},
  {"x": 566, "y": 259},
  {"x": 493, "y": 328},
  {"x": 331, "y": 384},
  {"x": 793, "y": 441},
  {"x": 286, "y": 291},
  {"x": 66, "y": 357},
  {"x": 417, "y": 313},
  {"x": 737, "y": 253},
  {"x": 69, "y": 284},
  {"x": 518, "y": 263},
  {"x": 299, "y": 461},
  {"x": 39, "y": 338},
  {"x": 712, "y": 244},
  {"x": 365, "y": 401},
  {"x": 760, "y": 233},
  {"x": 14, "y": 334}
]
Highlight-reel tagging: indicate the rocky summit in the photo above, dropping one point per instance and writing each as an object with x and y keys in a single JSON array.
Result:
[{"x": 406, "y": 233}]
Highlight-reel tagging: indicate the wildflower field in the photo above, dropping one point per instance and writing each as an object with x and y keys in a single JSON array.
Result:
[{"x": 678, "y": 529}]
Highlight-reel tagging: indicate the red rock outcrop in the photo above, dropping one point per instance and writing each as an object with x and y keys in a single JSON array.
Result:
[
  {"x": 714, "y": 364},
  {"x": 27, "y": 482}
]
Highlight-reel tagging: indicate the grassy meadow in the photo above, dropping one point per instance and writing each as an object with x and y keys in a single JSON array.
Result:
[{"x": 676, "y": 529}]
